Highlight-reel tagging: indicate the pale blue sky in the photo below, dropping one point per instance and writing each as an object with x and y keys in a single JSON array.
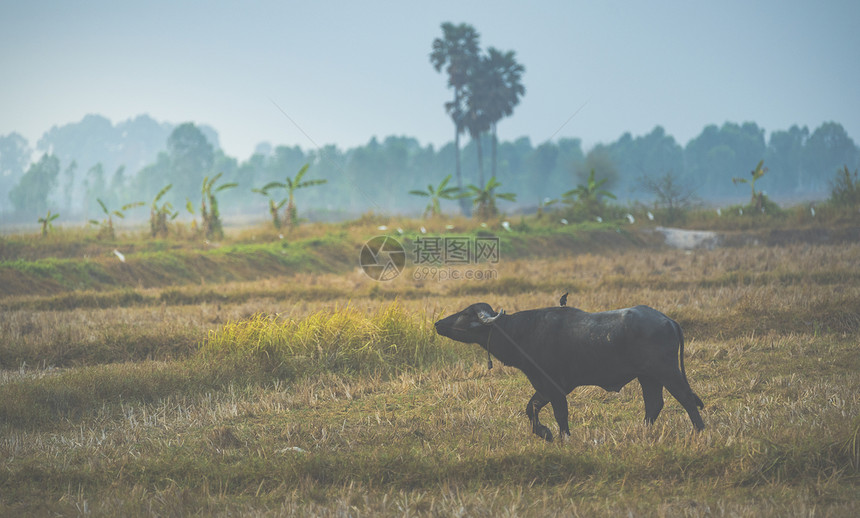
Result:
[{"x": 348, "y": 71}]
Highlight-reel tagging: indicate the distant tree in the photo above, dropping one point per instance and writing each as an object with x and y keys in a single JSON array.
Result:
[
  {"x": 670, "y": 195},
  {"x": 785, "y": 153},
  {"x": 644, "y": 155},
  {"x": 458, "y": 50},
  {"x": 598, "y": 162},
  {"x": 540, "y": 163},
  {"x": 191, "y": 158},
  {"x": 441, "y": 192},
  {"x": 30, "y": 196},
  {"x": 68, "y": 191},
  {"x": 717, "y": 151},
  {"x": 567, "y": 161},
  {"x": 94, "y": 186},
  {"x": 287, "y": 158},
  {"x": 93, "y": 139},
  {"x": 484, "y": 198},
  {"x": 828, "y": 149},
  {"x": 15, "y": 154},
  {"x": 117, "y": 182}
]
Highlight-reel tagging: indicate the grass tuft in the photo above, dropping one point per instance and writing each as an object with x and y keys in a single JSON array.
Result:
[{"x": 340, "y": 340}]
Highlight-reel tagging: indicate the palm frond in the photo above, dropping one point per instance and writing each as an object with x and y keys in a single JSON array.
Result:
[
  {"x": 132, "y": 205},
  {"x": 226, "y": 186},
  {"x": 162, "y": 192}
]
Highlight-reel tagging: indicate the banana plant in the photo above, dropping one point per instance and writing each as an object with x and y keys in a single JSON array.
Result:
[
  {"x": 589, "y": 196},
  {"x": 440, "y": 192},
  {"x": 160, "y": 214},
  {"x": 46, "y": 222},
  {"x": 274, "y": 207},
  {"x": 106, "y": 225},
  {"x": 591, "y": 191},
  {"x": 484, "y": 198},
  {"x": 209, "y": 212},
  {"x": 292, "y": 185},
  {"x": 756, "y": 199},
  {"x": 545, "y": 204}
]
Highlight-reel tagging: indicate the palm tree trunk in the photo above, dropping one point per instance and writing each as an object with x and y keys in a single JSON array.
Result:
[
  {"x": 493, "y": 152},
  {"x": 480, "y": 149},
  {"x": 465, "y": 206}
]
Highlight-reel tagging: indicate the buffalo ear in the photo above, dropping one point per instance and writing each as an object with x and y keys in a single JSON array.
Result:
[{"x": 487, "y": 318}]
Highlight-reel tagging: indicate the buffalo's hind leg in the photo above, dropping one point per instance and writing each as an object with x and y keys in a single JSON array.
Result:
[
  {"x": 559, "y": 409},
  {"x": 652, "y": 394},
  {"x": 680, "y": 390},
  {"x": 532, "y": 410}
]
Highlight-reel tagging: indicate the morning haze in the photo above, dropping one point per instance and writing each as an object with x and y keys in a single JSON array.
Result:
[{"x": 703, "y": 92}]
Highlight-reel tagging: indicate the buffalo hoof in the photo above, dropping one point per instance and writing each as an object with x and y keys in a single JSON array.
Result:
[{"x": 544, "y": 433}]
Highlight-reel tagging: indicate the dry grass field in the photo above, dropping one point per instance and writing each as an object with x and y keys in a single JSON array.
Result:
[{"x": 326, "y": 393}]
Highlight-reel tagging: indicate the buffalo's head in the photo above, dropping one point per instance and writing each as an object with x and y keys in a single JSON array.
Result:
[{"x": 470, "y": 325}]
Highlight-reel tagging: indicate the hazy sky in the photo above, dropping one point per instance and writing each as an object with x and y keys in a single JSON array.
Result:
[{"x": 348, "y": 71}]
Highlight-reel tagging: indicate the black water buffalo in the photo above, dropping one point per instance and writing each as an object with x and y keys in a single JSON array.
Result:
[{"x": 561, "y": 348}]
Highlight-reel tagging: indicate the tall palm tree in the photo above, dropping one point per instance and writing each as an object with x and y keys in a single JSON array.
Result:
[
  {"x": 504, "y": 90},
  {"x": 493, "y": 89},
  {"x": 477, "y": 100},
  {"x": 458, "y": 49}
]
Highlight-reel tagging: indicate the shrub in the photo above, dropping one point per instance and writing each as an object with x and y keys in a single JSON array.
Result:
[
  {"x": 845, "y": 189},
  {"x": 586, "y": 202}
]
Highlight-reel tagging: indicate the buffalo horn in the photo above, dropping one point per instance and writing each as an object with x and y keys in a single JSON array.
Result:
[{"x": 486, "y": 318}]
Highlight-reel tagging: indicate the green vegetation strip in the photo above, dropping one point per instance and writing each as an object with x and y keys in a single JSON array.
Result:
[{"x": 157, "y": 269}]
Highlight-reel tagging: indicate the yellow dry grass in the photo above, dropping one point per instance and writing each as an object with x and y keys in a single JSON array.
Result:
[{"x": 118, "y": 412}]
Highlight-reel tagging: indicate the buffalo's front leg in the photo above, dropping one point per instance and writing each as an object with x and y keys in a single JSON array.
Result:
[
  {"x": 532, "y": 409},
  {"x": 652, "y": 395}
]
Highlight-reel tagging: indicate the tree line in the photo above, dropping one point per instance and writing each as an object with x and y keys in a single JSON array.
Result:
[{"x": 379, "y": 175}]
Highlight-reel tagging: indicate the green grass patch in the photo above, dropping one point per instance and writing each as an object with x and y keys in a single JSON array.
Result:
[
  {"x": 341, "y": 340},
  {"x": 240, "y": 262}
]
